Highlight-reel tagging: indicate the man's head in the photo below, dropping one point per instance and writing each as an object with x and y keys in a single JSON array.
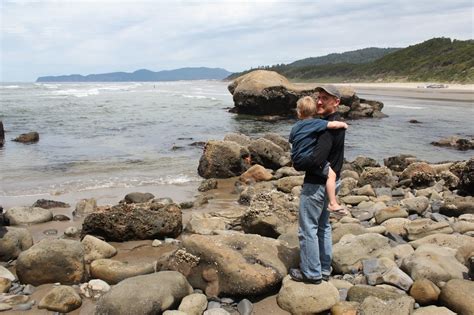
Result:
[
  {"x": 328, "y": 99},
  {"x": 305, "y": 107}
]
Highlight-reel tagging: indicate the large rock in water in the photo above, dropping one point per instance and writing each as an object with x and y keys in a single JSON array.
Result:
[
  {"x": 264, "y": 92},
  {"x": 134, "y": 222},
  {"x": 223, "y": 159},
  {"x": 30, "y": 137},
  {"x": 233, "y": 264},
  {"x": 51, "y": 261},
  {"x": 13, "y": 241},
  {"x": 147, "y": 294}
]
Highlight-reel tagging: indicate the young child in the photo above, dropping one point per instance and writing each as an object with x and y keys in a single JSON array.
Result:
[{"x": 303, "y": 140}]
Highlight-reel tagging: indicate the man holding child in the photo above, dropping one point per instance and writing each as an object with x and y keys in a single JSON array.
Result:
[{"x": 326, "y": 156}]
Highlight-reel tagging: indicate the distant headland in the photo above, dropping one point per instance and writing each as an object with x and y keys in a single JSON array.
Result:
[{"x": 194, "y": 73}]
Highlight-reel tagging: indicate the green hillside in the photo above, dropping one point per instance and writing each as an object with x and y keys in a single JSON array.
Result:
[
  {"x": 356, "y": 56},
  {"x": 437, "y": 59}
]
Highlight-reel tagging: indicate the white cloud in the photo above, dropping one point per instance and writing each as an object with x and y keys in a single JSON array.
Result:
[{"x": 63, "y": 37}]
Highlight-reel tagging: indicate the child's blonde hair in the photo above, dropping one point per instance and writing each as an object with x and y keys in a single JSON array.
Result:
[{"x": 306, "y": 106}]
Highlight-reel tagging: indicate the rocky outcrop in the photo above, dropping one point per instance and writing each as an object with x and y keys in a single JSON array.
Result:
[
  {"x": 262, "y": 92},
  {"x": 134, "y": 222},
  {"x": 455, "y": 142}
]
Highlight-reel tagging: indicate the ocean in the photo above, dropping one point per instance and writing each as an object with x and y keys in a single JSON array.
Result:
[{"x": 129, "y": 135}]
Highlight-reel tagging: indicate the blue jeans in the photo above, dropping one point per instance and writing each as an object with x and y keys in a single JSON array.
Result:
[{"x": 314, "y": 231}]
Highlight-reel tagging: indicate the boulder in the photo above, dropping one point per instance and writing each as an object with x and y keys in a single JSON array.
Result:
[
  {"x": 62, "y": 299},
  {"x": 389, "y": 213},
  {"x": 457, "y": 206},
  {"x": 433, "y": 263},
  {"x": 51, "y": 261},
  {"x": 351, "y": 250},
  {"x": 233, "y": 263},
  {"x": 223, "y": 159},
  {"x": 134, "y": 222},
  {"x": 354, "y": 200},
  {"x": 417, "y": 167},
  {"x": 396, "y": 226},
  {"x": 13, "y": 240},
  {"x": 286, "y": 171},
  {"x": 400, "y": 306},
  {"x": 207, "y": 184},
  {"x": 270, "y": 214},
  {"x": 278, "y": 140},
  {"x": 400, "y": 162},
  {"x": 138, "y": 197},
  {"x": 358, "y": 293},
  {"x": 365, "y": 190},
  {"x": 95, "y": 248},
  {"x": 416, "y": 204},
  {"x": 433, "y": 310},
  {"x": 113, "y": 271},
  {"x": 423, "y": 227},
  {"x": 466, "y": 178},
  {"x": 263, "y": 92},
  {"x": 425, "y": 292},
  {"x": 49, "y": 204},
  {"x": 458, "y": 295},
  {"x": 86, "y": 206},
  {"x": 205, "y": 224},
  {"x": 347, "y": 185},
  {"x": 240, "y": 138},
  {"x": 396, "y": 277},
  {"x": 377, "y": 177},
  {"x": 339, "y": 230},
  {"x": 30, "y": 137},
  {"x": 453, "y": 241},
  {"x": 286, "y": 184},
  {"x": 268, "y": 154},
  {"x": 147, "y": 294},
  {"x": 193, "y": 304},
  {"x": 299, "y": 298},
  {"x": 456, "y": 142},
  {"x": 28, "y": 215},
  {"x": 256, "y": 173}
]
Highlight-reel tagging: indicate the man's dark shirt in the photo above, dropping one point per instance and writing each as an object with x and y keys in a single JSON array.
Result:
[{"x": 329, "y": 147}]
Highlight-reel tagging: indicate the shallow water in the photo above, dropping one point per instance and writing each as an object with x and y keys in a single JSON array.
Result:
[{"x": 99, "y": 136}]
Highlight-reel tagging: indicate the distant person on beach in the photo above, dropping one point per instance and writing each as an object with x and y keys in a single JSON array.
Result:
[
  {"x": 314, "y": 230},
  {"x": 303, "y": 138}
]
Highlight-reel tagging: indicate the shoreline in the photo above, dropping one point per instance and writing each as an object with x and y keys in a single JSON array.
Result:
[{"x": 454, "y": 92}]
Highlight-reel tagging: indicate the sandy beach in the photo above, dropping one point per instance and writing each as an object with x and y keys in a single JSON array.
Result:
[{"x": 455, "y": 92}]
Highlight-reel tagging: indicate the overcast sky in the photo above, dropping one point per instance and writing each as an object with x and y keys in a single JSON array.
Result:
[{"x": 40, "y": 38}]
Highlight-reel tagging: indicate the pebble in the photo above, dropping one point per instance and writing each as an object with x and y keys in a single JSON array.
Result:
[
  {"x": 50, "y": 232},
  {"x": 29, "y": 289},
  {"x": 61, "y": 217},
  {"x": 213, "y": 304},
  {"x": 169, "y": 240},
  {"x": 71, "y": 231},
  {"x": 227, "y": 300},
  {"x": 245, "y": 307},
  {"x": 156, "y": 243},
  {"x": 25, "y": 306}
]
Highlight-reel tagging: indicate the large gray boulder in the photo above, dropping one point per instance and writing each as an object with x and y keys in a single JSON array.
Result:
[
  {"x": 147, "y": 294},
  {"x": 13, "y": 240},
  {"x": 134, "y": 222},
  {"x": 28, "y": 215},
  {"x": 233, "y": 263},
  {"x": 223, "y": 159},
  {"x": 51, "y": 261}
]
